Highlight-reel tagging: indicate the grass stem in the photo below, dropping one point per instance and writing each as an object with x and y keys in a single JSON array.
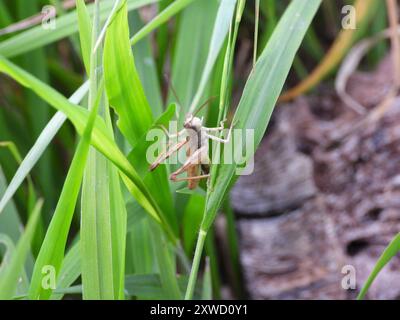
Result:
[{"x": 195, "y": 265}]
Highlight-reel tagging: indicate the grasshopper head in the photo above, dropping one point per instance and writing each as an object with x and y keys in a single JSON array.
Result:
[{"x": 192, "y": 122}]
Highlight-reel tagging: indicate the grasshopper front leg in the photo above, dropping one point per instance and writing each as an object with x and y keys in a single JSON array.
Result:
[{"x": 165, "y": 155}]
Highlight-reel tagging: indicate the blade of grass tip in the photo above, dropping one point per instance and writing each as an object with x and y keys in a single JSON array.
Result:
[
  {"x": 66, "y": 25},
  {"x": 9, "y": 276},
  {"x": 53, "y": 247},
  {"x": 39, "y": 147},
  {"x": 160, "y": 19},
  {"x": 256, "y": 105},
  {"x": 219, "y": 33},
  {"x": 391, "y": 250}
]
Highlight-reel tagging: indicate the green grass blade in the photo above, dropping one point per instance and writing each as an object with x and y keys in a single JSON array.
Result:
[
  {"x": 69, "y": 272},
  {"x": 191, "y": 220},
  {"x": 166, "y": 265},
  {"x": 262, "y": 90},
  {"x": 10, "y": 222},
  {"x": 146, "y": 66},
  {"x": 206, "y": 293},
  {"x": 96, "y": 241},
  {"x": 10, "y": 275},
  {"x": 101, "y": 139},
  {"x": 38, "y": 148},
  {"x": 191, "y": 49},
  {"x": 391, "y": 250},
  {"x": 132, "y": 107},
  {"x": 256, "y": 105},
  {"x": 219, "y": 33},
  {"x": 7, "y": 242},
  {"x": 53, "y": 247},
  {"x": 66, "y": 26},
  {"x": 85, "y": 32},
  {"x": 161, "y": 18},
  {"x": 121, "y": 77}
]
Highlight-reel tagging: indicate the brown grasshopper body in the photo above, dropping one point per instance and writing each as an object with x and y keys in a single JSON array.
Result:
[{"x": 196, "y": 139}]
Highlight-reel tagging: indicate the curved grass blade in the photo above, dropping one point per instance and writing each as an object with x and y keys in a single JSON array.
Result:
[{"x": 391, "y": 250}]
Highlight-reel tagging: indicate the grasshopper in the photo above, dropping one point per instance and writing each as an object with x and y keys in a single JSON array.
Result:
[{"x": 197, "y": 164}]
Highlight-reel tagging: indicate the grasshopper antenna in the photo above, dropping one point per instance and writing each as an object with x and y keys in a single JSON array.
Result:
[
  {"x": 204, "y": 104},
  {"x": 171, "y": 86}
]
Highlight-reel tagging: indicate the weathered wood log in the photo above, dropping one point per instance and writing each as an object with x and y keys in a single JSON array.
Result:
[{"x": 315, "y": 204}]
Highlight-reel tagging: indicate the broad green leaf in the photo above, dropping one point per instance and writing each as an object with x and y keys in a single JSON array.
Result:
[
  {"x": 391, "y": 250},
  {"x": 10, "y": 275}
]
